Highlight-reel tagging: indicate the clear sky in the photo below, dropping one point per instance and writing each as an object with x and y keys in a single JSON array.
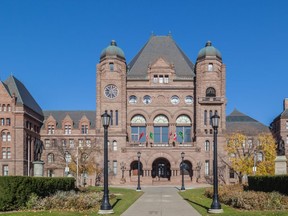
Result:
[{"x": 53, "y": 46}]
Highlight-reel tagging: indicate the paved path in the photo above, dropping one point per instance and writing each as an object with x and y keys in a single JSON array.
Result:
[{"x": 160, "y": 201}]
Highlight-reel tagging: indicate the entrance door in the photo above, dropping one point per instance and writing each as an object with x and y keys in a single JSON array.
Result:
[{"x": 161, "y": 168}]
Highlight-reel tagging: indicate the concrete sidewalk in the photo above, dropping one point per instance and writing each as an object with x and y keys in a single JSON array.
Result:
[{"x": 160, "y": 201}]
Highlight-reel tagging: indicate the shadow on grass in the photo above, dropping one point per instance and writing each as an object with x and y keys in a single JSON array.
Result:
[
  {"x": 117, "y": 200},
  {"x": 196, "y": 204}
]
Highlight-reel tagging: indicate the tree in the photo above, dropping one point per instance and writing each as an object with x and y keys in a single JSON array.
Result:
[
  {"x": 82, "y": 157},
  {"x": 244, "y": 153}
]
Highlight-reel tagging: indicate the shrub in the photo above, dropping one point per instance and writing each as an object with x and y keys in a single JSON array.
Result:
[
  {"x": 269, "y": 183},
  {"x": 68, "y": 200},
  {"x": 236, "y": 197},
  {"x": 15, "y": 190}
]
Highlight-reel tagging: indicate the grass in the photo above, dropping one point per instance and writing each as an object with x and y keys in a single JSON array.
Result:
[
  {"x": 124, "y": 198},
  {"x": 196, "y": 198}
]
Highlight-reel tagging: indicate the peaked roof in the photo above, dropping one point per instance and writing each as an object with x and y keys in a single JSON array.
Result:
[
  {"x": 76, "y": 116},
  {"x": 14, "y": 86},
  {"x": 156, "y": 47},
  {"x": 239, "y": 122}
]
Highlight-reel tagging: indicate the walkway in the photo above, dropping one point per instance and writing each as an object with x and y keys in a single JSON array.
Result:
[{"x": 161, "y": 201}]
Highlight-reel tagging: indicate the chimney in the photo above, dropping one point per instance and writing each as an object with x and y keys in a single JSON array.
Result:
[{"x": 285, "y": 104}]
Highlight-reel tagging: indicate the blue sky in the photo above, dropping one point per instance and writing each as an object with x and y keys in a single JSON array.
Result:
[{"x": 53, "y": 46}]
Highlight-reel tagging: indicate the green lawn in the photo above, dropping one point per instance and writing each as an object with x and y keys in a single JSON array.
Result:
[
  {"x": 124, "y": 198},
  {"x": 196, "y": 198}
]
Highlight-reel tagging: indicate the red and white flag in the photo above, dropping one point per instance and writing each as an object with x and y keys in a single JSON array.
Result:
[
  {"x": 141, "y": 135},
  {"x": 175, "y": 136}
]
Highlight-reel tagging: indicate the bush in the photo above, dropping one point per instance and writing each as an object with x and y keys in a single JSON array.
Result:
[
  {"x": 269, "y": 183},
  {"x": 66, "y": 200},
  {"x": 15, "y": 190},
  {"x": 236, "y": 197}
]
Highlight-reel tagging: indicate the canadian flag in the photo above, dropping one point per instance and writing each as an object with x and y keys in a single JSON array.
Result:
[{"x": 175, "y": 136}]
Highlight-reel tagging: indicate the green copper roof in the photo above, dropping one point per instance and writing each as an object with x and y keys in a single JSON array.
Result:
[
  {"x": 209, "y": 50},
  {"x": 112, "y": 51}
]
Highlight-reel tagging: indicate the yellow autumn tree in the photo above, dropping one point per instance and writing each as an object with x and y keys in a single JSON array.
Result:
[{"x": 244, "y": 155}]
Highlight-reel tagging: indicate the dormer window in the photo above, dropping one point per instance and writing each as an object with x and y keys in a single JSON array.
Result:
[
  {"x": 155, "y": 79},
  {"x": 166, "y": 79},
  {"x": 111, "y": 66},
  {"x": 210, "y": 67},
  {"x": 161, "y": 79},
  {"x": 67, "y": 129},
  {"x": 84, "y": 129},
  {"x": 50, "y": 129}
]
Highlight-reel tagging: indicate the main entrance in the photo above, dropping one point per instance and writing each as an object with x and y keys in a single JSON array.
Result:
[{"x": 161, "y": 168}]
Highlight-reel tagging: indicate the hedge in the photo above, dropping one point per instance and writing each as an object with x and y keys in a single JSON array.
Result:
[
  {"x": 16, "y": 190},
  {"x": 269, "y": 183}
]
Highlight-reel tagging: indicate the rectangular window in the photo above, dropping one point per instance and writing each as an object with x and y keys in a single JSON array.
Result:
[
  {"x": 71, "y": 143},
  {"x": 114, "y": 167},
  {"x": 84, "y": 129},
  {"x": 111, "y": 66},
  {"x": 155, "y": 79},
  {"x": 50, "y": 129},
  {"x": 63, "y": 141},
  {"x": 138, "y": 134},
  {"x": 210, "y": 67},
  {"x": 80, "y": 142},
  {"x": 117, "y": 116},
  {"x": 67, "y": 129},
  {"x": 4, "y": 155},
  {"x": 8, "y": 121},
  {"x": 161, "y": 134},
  {"x": 5, "y": 170},
  {"x": 88, "y": 143},
  {"x": 8, "y": 152},
  {"x": 2, "y": 121},
  {"x": 207, "y": 168},
  {"x": 166, "y": 79},
  {"x": 205, "y": 117},
  {"x": 250, "y": 143},
  {"x": 47, "y": 143},
  {"x": 231, "y": 173},
  {"x": 161, "y": 79},
  {"x": 207, "y": 146},
  {"x": 183, "y": 134},
  {"x": 50, "y": 173},
  {"x": 111, "y": 117}
]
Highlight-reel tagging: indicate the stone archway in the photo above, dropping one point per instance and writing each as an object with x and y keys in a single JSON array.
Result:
[
  {"x": 134, "y": 168},
  {"x": 161, "y": 168},
  {"x": 187, "y": 168}
]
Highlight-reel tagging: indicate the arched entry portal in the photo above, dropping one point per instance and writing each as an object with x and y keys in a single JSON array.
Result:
[
  {"x": 187, "y": 168},
  {"x": 134, "y": 169},
  {"x": 161, "y": 168}
]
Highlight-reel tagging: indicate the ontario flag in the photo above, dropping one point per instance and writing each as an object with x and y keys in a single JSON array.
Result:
[
  {"x": 141, "y": 135},
  {"x": 175, "y": 136}
]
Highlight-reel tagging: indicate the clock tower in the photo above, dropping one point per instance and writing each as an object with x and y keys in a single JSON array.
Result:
[{"x": 111, "y": 96}]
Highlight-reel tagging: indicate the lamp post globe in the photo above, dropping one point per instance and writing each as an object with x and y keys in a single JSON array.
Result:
[
  {"x": 105, "y": 207},
  {"x": 182, "y": 170},
  {"x": 138, "y": 186},
  {"x": 215, "y": 206}
]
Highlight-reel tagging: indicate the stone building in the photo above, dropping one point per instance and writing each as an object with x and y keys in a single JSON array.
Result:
[
  {"x": 20, "y": 121},
  {"x": 279, "y": 126},
  {"x": 160, "y": 105}
]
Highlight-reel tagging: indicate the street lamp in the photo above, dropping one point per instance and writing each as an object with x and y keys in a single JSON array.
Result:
[
  {"x": 105, "y": 207},
  {"x": 138, "y": 187},
  {"x": 215, "y": 206},
  {"x": 182, "y": 169}
]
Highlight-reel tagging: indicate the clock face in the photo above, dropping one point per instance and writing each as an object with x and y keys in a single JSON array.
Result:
[
  {"x": 132, "y": 99},
  {"x": 147, "y": 99},
  {"x": 189, "y": 99},
  {"x": 175, "y": 99},
  {"x": 111, "y": 91}
]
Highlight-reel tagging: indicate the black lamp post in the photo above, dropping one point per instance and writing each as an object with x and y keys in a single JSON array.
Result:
[
  {"x": 105, "y": 207},
  {"x": 215, "y": 206},
  {"x": 138, "y": 187},
  {"x": 182, "y": 169}
]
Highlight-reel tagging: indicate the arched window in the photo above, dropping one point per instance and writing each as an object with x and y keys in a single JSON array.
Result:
[
  {"x": 260, "y": 156},
  {"x": 4, "y": 138},
  {"x": 210, "y": 92},
  {"x": 160, "y": 129},
  {"x": 183, "y": 129},
  {"x": 3, "y": 108},
  {"x": 50, "y": 158},
  {"x": 8, "y": 137},
  {"x": 8, "y": 107},
  {"x": 207, "y": 145},
  {"x": 138, "y": 129}
]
